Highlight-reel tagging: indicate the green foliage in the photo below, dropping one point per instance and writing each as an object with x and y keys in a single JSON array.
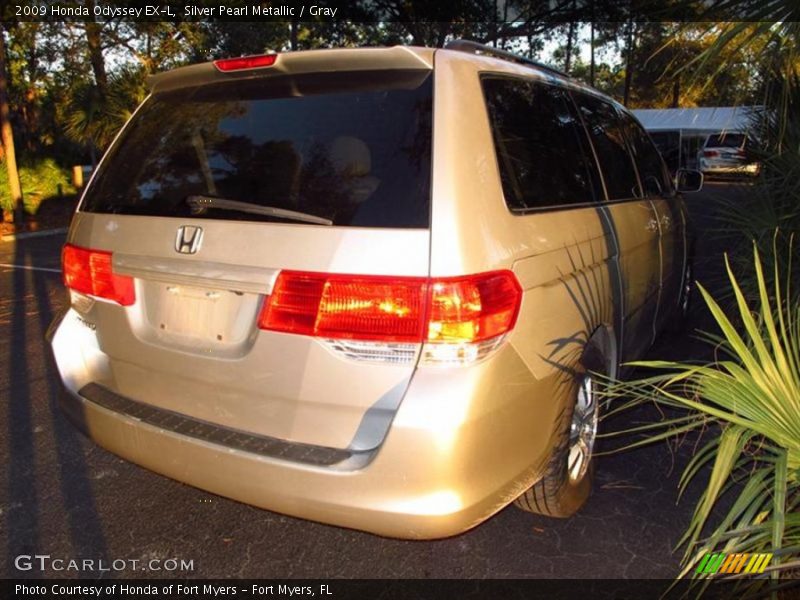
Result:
[
  {"x": 769, "y": 213},
  {"x": 769, "y": 217},
  {"x": 94, "y": 119},
  {"x": 749, "y": 399},
  {"x": 41, "y": 180}
]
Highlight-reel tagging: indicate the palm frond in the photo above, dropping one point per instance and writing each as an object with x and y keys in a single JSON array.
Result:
[{"x": 749, "y": 399}]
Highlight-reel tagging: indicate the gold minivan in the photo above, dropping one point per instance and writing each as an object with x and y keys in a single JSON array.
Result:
[{"x": 369, "y": 287}]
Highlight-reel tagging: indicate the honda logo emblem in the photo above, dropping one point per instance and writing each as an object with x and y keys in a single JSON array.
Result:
[{"x": 188, "y": 239}]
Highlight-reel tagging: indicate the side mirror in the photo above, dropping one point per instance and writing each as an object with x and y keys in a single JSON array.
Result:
[{"x": 688, "y": 180}]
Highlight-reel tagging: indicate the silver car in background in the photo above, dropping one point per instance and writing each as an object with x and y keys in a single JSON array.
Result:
[{"x": 728, "y": 153}]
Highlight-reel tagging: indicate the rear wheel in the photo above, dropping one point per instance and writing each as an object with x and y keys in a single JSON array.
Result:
[{"x": 567, "y": 481}]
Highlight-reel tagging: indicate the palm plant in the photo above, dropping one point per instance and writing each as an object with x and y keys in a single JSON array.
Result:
[
  {"x": 92, "y": 119},
  {"x": 749, "y": 399}
]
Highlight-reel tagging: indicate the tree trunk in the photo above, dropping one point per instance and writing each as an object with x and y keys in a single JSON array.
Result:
[
  {"x": 568, "y": 57},
  {"x": 503, "y": 37},
  {"x": 493, "y": 25},
  {"x": 295, "y": 25},
  {"x": 628, "y": 65},
  {"x": 676, "y": 93},
  {"x": 8, "y": 137},
  {"x": 591, "y": 51},
  {"x": 96, "y": 52}
]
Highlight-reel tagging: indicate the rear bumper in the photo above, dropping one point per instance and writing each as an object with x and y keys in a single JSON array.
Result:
[
  {"x": 461, "y": 447},
  {"x": 710, "y": 168}
]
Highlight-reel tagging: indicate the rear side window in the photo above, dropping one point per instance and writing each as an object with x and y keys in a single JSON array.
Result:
[
  {"x": 726, "y": 140},
  {"x": 669, "y": 146},
  {"x": 537, "y": 140},
  {"x": 607, "y": 135},
  {"x": 652, "y": 171},
  {"x": 349, "y": 148}
]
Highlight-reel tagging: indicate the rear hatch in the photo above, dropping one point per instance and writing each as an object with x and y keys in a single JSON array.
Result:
[
  {"x": 727, "y": 149},
  {"x": 315, "y": 165}
]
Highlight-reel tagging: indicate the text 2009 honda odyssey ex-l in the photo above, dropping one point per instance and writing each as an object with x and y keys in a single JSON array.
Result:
[{"x": 368, "y": 287}]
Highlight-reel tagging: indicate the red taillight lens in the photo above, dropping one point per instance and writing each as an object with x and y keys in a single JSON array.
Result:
[
  {"x": 346, "y": 306},
  {"x": 90, "y": 272},
  {"x": 710, "y": 153},
  {"x": 474, "y": 308},
  {"x": 393, "y": 309},
  {"x": 245, "y": 62}
]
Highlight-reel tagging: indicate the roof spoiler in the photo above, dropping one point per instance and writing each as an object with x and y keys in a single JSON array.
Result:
[
  {"x": 471, "y": 47},
  {"x": 293, "y": 63}
]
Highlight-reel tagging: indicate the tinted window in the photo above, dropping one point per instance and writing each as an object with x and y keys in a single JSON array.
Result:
[
  {"x": 537, "y": 140},
  {"x": 669, "y": 146},
  {"x": 350, "y": 148},
  {"x": 606, "y": 132},
  {"x": 726, "y": 140},
  {"x": 652, "y": 172}
]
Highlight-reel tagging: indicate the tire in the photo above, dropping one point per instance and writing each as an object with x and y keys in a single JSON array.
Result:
[{"x": 562, "y": 491}]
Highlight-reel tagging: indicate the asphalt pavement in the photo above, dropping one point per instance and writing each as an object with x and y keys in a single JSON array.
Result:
[{"x": 60, "y": 495}]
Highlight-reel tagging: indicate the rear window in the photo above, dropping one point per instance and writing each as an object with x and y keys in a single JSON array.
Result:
[
  {"x": 352, "y": 149},
  {"x": 726, "y": 140}
]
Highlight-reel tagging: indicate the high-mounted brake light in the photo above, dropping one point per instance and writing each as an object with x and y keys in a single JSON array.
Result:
[
  {"x": 454, "y": 311},
  {"x": 245, "y": 62},
  {"x": 90, "y": 272}
]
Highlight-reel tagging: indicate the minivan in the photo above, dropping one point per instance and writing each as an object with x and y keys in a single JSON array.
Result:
[{"x": 378, "y": 288}]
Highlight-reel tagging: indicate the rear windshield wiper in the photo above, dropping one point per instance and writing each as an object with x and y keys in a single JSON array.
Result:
[{"x": 200, "y": 202}]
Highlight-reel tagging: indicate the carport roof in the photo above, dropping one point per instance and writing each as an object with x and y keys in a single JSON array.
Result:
[{"x": 697, "y": 120}]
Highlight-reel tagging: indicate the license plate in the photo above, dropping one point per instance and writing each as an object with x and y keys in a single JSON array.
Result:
[{"x": 196, "y": 312}]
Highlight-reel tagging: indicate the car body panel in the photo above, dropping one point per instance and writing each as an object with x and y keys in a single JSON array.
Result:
[
  {"x": 673, "y": 255},
  {"x": 636, "y": 234}
]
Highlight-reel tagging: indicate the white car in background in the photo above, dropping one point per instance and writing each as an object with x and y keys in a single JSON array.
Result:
[{"x": 727, "y": 154}]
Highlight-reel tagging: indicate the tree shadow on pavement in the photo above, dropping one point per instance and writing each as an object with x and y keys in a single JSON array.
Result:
[{"x": 27, "y": 415}]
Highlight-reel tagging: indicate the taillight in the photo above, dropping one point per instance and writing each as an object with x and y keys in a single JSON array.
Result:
[
  {"x": 90, "y": 272},
  {"x": 346, "y": 307},
  {"x": 710, "y": 153},
  {"x": 245, "y": 62},
  {"x": 474, "y": 308},
  {"x": 453, "y": 312}
]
